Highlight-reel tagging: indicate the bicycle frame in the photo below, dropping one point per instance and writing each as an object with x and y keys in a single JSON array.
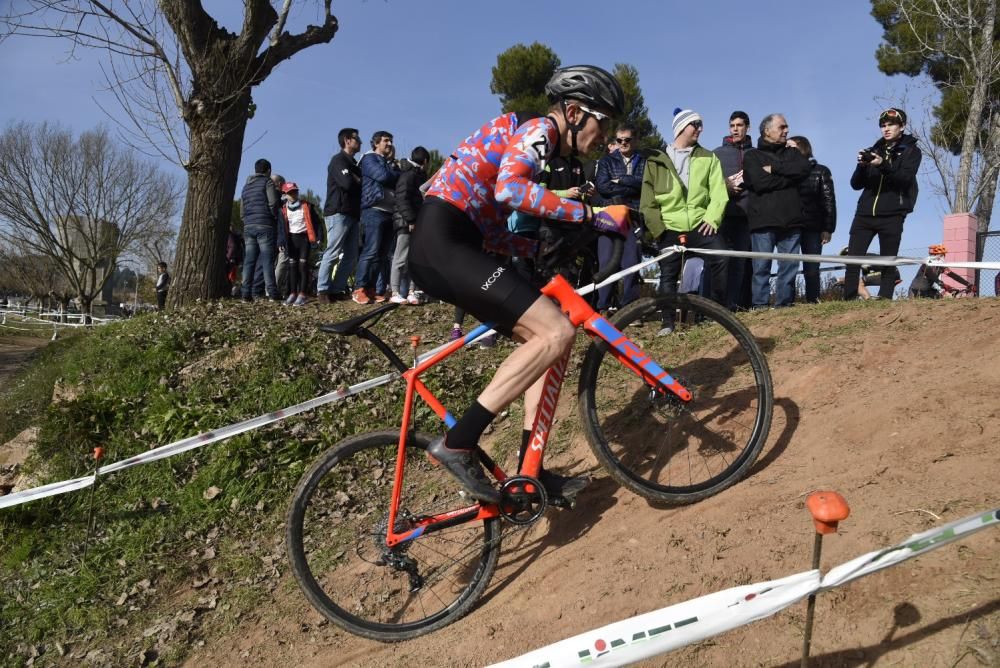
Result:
[{"x": 580, "y": 314}]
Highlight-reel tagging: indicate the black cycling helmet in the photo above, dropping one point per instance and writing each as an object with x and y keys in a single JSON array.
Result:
[{"x": 588, "y": 84}]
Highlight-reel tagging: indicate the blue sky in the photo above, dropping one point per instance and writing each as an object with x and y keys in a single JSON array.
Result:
[{"x": 422, "y": 70}]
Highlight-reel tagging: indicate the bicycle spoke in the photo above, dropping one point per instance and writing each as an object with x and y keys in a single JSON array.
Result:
[{"x": 658, "y": 444}]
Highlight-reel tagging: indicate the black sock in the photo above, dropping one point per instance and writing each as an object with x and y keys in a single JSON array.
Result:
[{"x": 466, "y": 432}]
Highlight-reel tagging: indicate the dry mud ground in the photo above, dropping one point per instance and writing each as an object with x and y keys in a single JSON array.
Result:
[{"x": 900, "y": 417}]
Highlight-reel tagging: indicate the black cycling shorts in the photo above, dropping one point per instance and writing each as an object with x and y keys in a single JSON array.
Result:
[{"x": 448, "y": 262}]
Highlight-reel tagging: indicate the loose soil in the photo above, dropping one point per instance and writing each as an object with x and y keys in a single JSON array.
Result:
[{"x": 893, "y": 405}]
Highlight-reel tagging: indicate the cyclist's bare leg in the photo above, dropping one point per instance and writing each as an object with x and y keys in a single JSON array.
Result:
[
  {"x": 531, "y": 397},
  {"x": 546, "y": 334}
]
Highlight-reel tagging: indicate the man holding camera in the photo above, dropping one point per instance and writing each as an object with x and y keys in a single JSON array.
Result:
[{"x": 887, "y": 176}]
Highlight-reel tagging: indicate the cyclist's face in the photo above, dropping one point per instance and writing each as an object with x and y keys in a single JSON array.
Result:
[{"x": 593, "y": 134}]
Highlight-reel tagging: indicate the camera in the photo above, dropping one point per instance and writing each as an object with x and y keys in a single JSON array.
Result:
[
  {"x": 586, "y": 189},
  {"x": 866, "y": 155}
]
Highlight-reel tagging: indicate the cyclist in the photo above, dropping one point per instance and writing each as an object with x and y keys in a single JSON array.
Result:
[{"x": 465, "y": 216}]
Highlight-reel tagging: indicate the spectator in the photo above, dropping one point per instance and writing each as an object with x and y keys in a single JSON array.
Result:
[
  {"x": 929, "y": 276},
  {"x": 378, "y": 181},
  {"x": 771, "y": 173},
  {"x": 735, "y": 229},
  {"x": 887, "y": 176},
  {"x": 162, "y": 285},
  {"x": 260, "y": 205},
  {"x": 281, "y": 261},
  {"x": 412, "y": 175},
  {"x": 299, "y": 220},
  {"x": 684, "y": 192},
  {"x": 619, "y": 181},
  {"x": 819, "y": 207},
  {"x": 281, "y": 264},
  {"x": 342, "y": 210},
  {"x": 234, "y": 259}
]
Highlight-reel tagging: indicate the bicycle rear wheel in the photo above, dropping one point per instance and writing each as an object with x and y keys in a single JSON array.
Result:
[
  {"x": 657, "y": 446},
  {"x": 335, "y": 534}
]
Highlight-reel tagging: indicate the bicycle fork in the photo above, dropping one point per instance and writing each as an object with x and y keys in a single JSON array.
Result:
[{"x": 628, "y": 353}]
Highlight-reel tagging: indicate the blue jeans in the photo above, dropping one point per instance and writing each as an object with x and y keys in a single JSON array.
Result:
[
  {"x": 376, "y": 254},
  {"x": 259, "y": 250},
  {"x": 342, "y": 232},
  {"x": 768, "y": 240}
]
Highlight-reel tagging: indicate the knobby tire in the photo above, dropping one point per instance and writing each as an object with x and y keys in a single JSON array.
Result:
[{"x": 657, "y": 446}]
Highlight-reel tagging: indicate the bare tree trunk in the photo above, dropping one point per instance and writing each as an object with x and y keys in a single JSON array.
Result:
[
  {"x": 977, "y": 102},
  {"x": 205, "y": 223}
]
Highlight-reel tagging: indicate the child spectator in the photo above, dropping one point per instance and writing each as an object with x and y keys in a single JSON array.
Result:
[
  {"x": 929, "y": 276},
  {"x": 299, "y": 220},
  {"x": 162, "y": 285}
]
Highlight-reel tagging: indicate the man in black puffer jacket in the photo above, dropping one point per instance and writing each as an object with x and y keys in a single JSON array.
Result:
[
  {"x": 771, "y": 173},
  {"x": 409, "y": 199},
  {"x": 734, "y": 229},
  {"x": 819, "y": 208},
  {"x": 887, "y": 176}
]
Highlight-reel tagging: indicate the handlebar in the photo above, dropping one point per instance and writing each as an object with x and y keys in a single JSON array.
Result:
[{"x": 566, "y": 242}]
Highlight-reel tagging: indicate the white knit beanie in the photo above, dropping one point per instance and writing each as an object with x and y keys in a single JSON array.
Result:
[{"x": 683, "y": 118}]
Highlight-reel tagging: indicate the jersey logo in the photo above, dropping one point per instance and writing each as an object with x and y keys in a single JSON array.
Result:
[
  {"x": 541, "y": 147},
  {"x": 493, "y": 278}
]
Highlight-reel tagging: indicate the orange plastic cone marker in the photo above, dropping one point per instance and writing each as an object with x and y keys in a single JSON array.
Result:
[{"x": 827, "y": 509}]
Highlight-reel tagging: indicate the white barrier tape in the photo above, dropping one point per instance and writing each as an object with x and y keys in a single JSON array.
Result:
[
  {"x": 914, "y": 546},
  {"x": 879, "y": 260},
  {"x": 191, "y": 443},
  {"x": 670, "y": 628},
  {"x": 22, "y": 329}
]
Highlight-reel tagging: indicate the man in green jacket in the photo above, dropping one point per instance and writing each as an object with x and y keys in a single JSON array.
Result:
[{"x": 684, "y": 193}]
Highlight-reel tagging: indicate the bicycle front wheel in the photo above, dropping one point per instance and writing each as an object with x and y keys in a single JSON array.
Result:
[
  {"x": 658, "y": 446},
  {"x": 336, "y": 530}
]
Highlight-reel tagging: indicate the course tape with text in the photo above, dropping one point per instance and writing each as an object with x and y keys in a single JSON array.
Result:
[{"x": 678, "y": 625}]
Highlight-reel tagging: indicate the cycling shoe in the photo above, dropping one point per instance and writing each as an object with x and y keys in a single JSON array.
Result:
[{"x": 465, "y": 466}]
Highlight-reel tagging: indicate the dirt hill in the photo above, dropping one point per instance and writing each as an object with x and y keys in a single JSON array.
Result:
[{"x": 893, "y": 405}]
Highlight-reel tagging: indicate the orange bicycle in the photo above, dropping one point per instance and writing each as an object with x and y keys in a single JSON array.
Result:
[{"x": 385, "y": 543}]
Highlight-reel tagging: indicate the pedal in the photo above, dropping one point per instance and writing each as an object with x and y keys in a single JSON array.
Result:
[{"x": 562, "y": 502}]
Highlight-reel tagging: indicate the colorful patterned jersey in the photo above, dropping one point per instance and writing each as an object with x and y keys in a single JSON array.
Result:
[{"x": 492, "y": 173}]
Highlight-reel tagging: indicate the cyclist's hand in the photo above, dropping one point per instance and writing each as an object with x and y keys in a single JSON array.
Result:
[{"x": 611, "y": 219}]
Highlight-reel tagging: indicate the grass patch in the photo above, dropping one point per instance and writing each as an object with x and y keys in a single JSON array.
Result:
[{"x": 151, "y": 380}]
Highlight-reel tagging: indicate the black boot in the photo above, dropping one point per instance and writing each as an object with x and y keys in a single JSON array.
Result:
[{"x": 467, "y": 469}]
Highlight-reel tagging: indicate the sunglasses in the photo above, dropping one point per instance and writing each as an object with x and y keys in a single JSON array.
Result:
[
  {"x": 603, "y": 120},
  {"x": 623, "y": 140},
  {"x": 698, "y": 125}
]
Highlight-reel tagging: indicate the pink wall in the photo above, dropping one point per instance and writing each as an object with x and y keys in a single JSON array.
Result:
[{"x": 960, "y": 238}]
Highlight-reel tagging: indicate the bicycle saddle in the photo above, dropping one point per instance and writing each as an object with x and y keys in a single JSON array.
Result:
[{"x": 352, "y": 325}]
